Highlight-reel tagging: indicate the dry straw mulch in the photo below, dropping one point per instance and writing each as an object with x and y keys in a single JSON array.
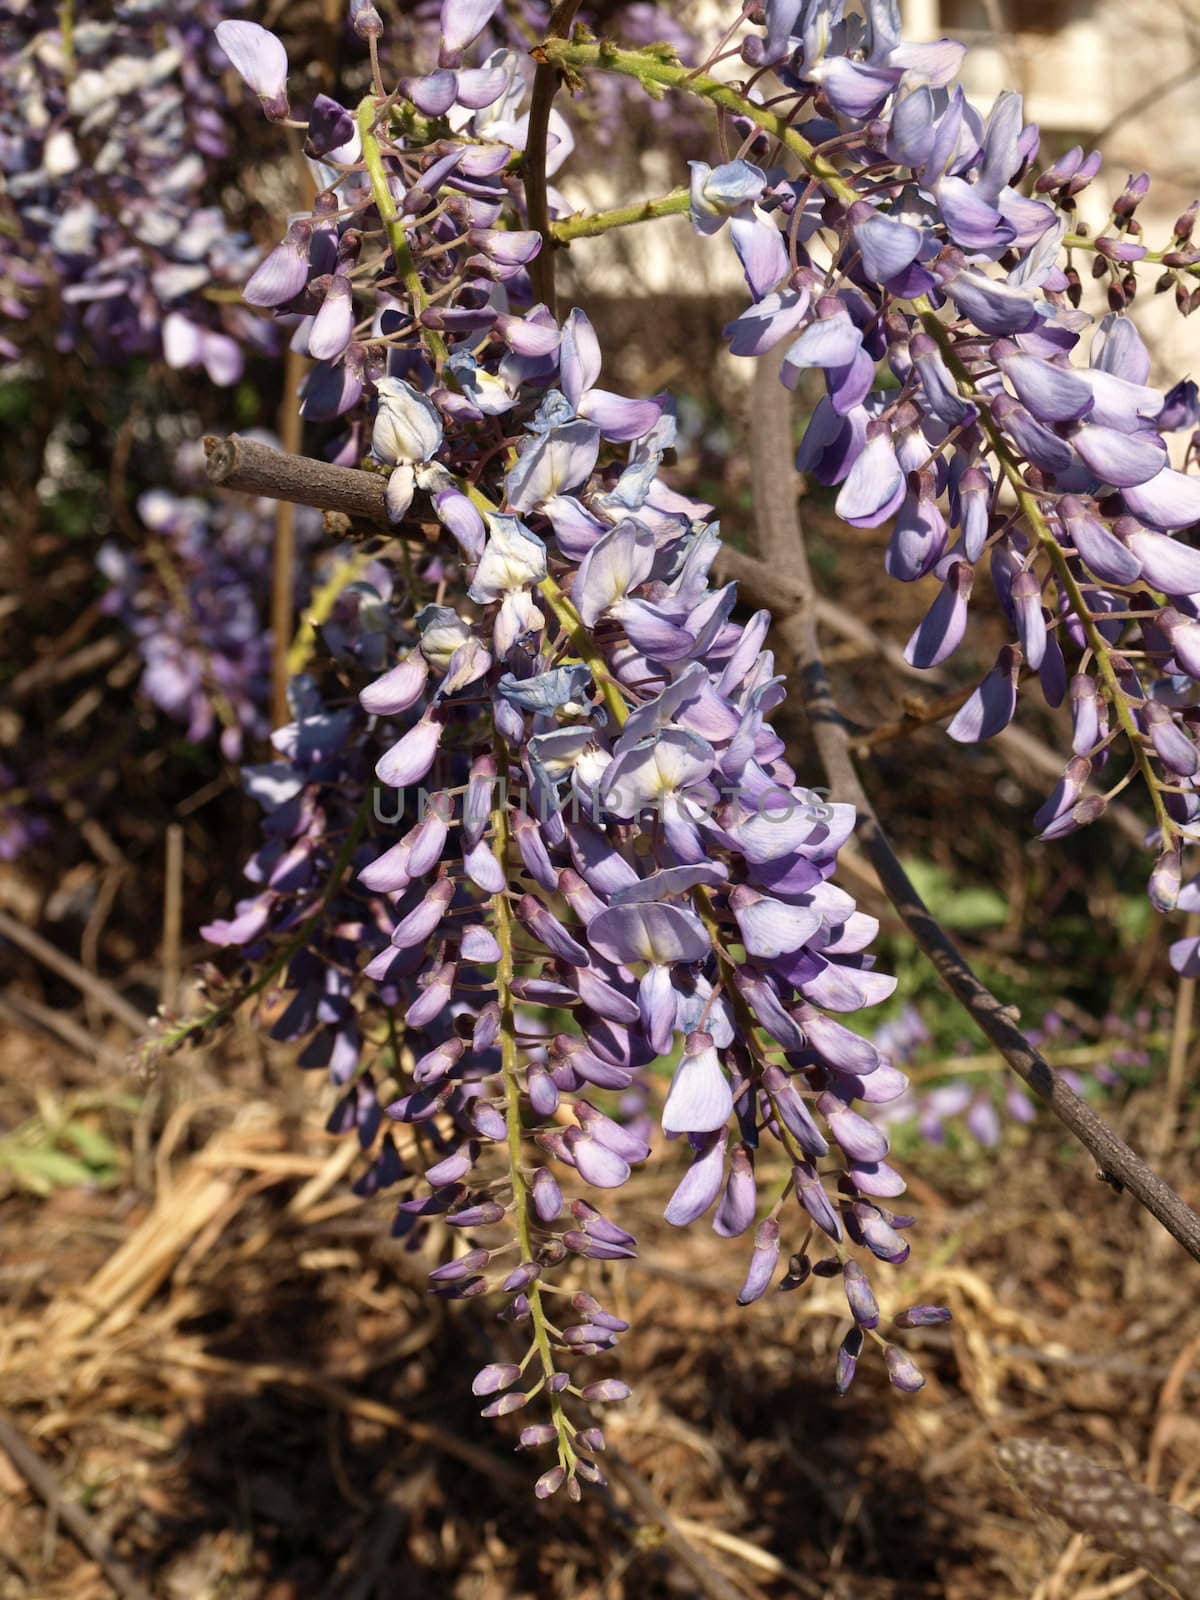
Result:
[{"x": 239, "y": 1387}]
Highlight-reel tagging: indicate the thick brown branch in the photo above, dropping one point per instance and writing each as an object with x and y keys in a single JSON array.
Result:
[
  {"x": 782, "y": 546},
  {"x": 237, "y": 463},
  {"x": 545, "y": 86}
]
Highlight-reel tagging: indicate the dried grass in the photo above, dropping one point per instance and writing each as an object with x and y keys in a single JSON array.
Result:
[{"x": 228, "y": 1364}]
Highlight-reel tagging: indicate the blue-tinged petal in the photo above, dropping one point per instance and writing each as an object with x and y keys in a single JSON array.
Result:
[
  {"x": 940, "y": 633},
  {"x": 850, "y": 385},
  {"x": 934, "y": 64},
  {"x": 1104, "y": 554},
  {"x": 830, "y": 341},
  {"x": 614, "y": 565},
  {"x": 659, "y": 933},
  {"x": 853, "y": 88},
  {"x": 993, "y": 306},
  {"x": 740, "y": 1201},
  {"x": 617, "y": 418},
  {"x": 1031, "y": 222},
  {"x": 771, "y": 928},
  {"x": 656, "y": 1008},
  {"x": 1117, "y": 403},
  {"x": 717, "y": 192},
  {"x": 579, "y": 356},
  {"x": 942, "y": 398},
  {"x": 548, "y": 691},
  {"x": 1185, "y": 957},
  {"x": 1052, "y": 393},
  {"x": 700, "y": 1184},
  {"x": 918, "y": 540},
  {"x": 462, "y": 21},
  {"x": 791, "y": 822},
  {"x": 575, "y": 528},
  {"x": 641, "y": 777},
  {"x": 990, "y": 709},
  {"x": 760, "y": 328},
  {"x": 761, "y": 250},
  {"x": 513, "y": 558},
  {"x": 1166, "y": 564},
  {"x": 911, "y": 130},
  {"x": 1117, "y": 348},
  {"x": 653, "y": 632},
  {"x": 434, "y": 94},
  {"x": 555, "y": 462},
  {"x": 887, "y": 246},
  {"x": 1001, "y": 151},
  {"x": 973, "y": 223}
]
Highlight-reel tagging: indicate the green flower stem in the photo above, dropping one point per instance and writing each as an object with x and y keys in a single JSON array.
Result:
[
  {"x": 584, "y": 647},
  {"x": 1032, "y": 512},
  {"x": 1082, "y": 241},
  {"x": 385, "y": 203},
  {"x": 657, "y": 71},
  {"x": 175, "y": 1036},
  {"x": 66, "y": 27},
  {"x": 503, "y": 926},
  {"x": 592, "y": 225}
]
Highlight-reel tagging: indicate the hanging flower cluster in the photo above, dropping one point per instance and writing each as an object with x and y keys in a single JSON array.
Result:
[
  {"x": 910, "y": 251},
  {"x": 601, "y": 856},
  {"x": 111, "y": 134}
]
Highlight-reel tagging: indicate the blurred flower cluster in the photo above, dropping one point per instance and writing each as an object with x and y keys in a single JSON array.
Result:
[
  {"x": 113, "y": 132},
  {"x": 194, "y": 597}
]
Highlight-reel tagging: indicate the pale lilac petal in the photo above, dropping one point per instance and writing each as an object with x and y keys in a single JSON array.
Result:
[
  {"x": 1166, "y": 564},
  {"x": 258, "y": 57},
  {"x": 886, "y": 246},
  {"x": 875, "y": 485},
  {"x": 700, "y": 1099},
  {"x": 579, "y": 356},
  {"x": 700, "y": 1184},
  {"x": 1169, "y": 500},
  {"x": 1122, "y": 459}
]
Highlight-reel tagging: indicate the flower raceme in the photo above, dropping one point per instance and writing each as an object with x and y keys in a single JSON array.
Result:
[
  {"x": 664, "y": 890},
  {"x": 907, "y": 249}
]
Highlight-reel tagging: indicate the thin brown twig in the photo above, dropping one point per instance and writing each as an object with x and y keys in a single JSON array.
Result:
[
  {"x": 72, "y": 1516},
  {"x": 782, "y": 546},
  {"x": 1181, "y": 1042},
  {"x": 24, "y": 1012},
  {"x": 86, "y": 982},
  {"x": 172, "y": 935},
  {"x": 545, "y": 86}
]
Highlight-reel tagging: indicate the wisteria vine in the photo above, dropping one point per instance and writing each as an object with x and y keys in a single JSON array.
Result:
[{"x": 596, "y": 855}]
